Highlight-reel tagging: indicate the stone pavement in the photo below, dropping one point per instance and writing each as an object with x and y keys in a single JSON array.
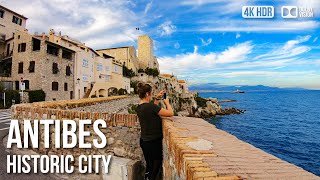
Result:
[{"x": 226, "y": 156}]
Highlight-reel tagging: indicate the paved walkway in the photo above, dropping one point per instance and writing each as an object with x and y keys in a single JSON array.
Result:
[
  {"x": 235, "y": 157},
  {"x": 5, "y": 118}
]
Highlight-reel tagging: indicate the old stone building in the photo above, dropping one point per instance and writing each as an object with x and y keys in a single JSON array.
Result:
[
  {"x": 126, "y": 55},
  {"x": 10, "y": 22},
  {"x": 145, "y": 53},
  {"x": 43, "y": 65}
]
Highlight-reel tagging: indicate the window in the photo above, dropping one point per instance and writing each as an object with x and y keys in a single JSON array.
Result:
[
  {"x": 71, "y": 94},
  {"x": 20, "y": 68},
  {"x": 99, "y": 67},
  {"x": 65, "y": 86},
  {"x": 66, "y": 54},
  {"x": 107, "y": 78},
  {"x": 1, "y": 13},
  {"x": 17, "y": 20},
  {"x": 17, "y": 83},
  {"x": 52, "y": 50},
  {"x": 68, "y": 71},
  {"x": 85, "y": 89},
  {"x": 55, "y": 86},
  {"x": 85, "y": 63},
  {"x": 22, "y": 47},
  {"x": 26, "y": 84},
  {"x": 31, "y": 67},
  {"x": 36, "y": 44},
  {"x": 115, "y": 68},
  {"x": 85, "y": 77},
  {"x": 55, "y": 68}
]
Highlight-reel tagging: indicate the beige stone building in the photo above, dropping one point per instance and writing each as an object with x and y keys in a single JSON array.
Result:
[
  {"x": 183, "y": 86},
  {"x": 43, "y": 65},
  {"x": 10, "y": 22},
  {"x": 126, "y": 55},
  {"x": 145, "y": 52}
]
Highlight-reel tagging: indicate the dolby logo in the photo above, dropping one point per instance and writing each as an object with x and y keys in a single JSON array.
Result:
[{"x": 290, "y": 12}]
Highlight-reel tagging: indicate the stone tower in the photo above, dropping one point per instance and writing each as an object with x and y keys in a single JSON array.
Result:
[{"x": 145, "y": 52}]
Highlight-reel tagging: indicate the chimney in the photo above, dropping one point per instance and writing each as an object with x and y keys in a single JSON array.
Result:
[{"x": 43, "y": 35}]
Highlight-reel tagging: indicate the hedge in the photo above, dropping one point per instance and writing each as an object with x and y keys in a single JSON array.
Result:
[{"x": 36, "y": 96}]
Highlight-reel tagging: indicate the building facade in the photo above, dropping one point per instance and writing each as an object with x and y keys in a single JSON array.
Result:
[
  {"x": 10, "y": 22},
  {"x": 126, "y": 55},
  {"x": 43, "y": 65}
]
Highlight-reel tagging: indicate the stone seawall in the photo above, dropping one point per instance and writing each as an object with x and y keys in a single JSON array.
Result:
[{"x": 195, "y": 149}]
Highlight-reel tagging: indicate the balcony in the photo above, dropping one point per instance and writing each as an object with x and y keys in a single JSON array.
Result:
[
  {"x": 5, "y": 68},
  {"x": 6, "y": 55}
]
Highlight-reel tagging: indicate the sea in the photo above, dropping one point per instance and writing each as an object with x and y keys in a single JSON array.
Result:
[{"x": 285, "y": 123}]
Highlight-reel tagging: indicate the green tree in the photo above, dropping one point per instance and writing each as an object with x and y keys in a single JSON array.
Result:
[{"x": 127, "y": 72}]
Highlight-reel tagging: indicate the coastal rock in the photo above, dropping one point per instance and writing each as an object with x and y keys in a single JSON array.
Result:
[
  {"x": 214, "y": 100},
  {"x": 232, "y": 110},
  {"x": 184, "y": 113}
]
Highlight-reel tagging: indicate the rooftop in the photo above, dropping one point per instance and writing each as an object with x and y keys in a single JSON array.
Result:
[
  {"x": 166, "y": 75},
  {"x": 114, "y": 48},
  {"x": 181, "y": 81},
  {"x": 13, "y": 12}
]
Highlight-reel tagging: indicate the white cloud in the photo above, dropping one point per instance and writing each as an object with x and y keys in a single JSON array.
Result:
[
  {"x": 98, "y": 23},
  {"x": 256, "y": 26},
  {"x": 220, "y": 6},
  {"x": 254, "y": 73},
  {"x": 190, "y": 61},
  {"x": 177, "y": 45},
  {"x": 291, "y": 48},
  {"x": 148, "y": 7},
  {"x": 167, "y": 28},
  {"x": 238, "y": 35},
  {"x": 315, "y": 39},
  {"x": 206, "y": 43}
]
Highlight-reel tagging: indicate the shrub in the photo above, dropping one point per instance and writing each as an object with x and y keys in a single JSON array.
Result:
[
  {"x": 36, "y": 96},
  {"x": 113, "y": 92},
  {"x": 134, "y": 84},
  {"x": 122, "y": 91},
  {"x": 201, "y": 101},
  {"x": 127, "y": 72},
  {"x": 132, "y": 109},
  {"x": 12, "y": 95},
  {"x": 152, "y": 72},
  {"x": 140, "y": 70}
]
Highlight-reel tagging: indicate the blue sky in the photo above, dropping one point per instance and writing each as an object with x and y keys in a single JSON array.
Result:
[{"x": 202, "y": 41}]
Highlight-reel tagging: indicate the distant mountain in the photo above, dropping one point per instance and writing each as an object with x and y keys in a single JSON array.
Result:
[{"x": 219, "y": 87}]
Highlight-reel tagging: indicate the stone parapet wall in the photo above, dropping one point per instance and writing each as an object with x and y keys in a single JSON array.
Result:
[
  {"x": 70, "y": 104},
  {"x": 196, "y": 149},
  {"x": 122, "y": 132}
]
